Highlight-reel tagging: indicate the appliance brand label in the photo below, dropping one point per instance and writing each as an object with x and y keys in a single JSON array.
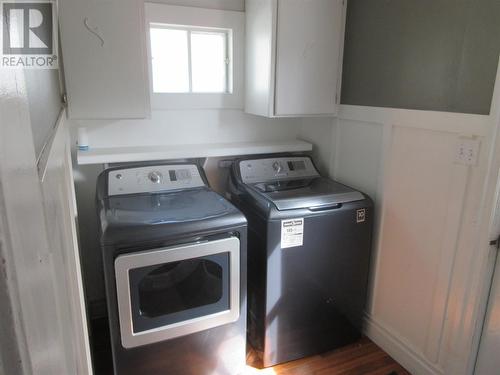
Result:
[
  {"x": 361, "y": 215},
  {"x": 292, "y": 233}
]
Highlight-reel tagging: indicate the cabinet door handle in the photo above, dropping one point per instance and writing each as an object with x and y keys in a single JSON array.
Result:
[{"x": 93, "y": 30}]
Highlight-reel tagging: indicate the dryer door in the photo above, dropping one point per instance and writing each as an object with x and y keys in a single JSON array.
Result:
[{"x": 175, "y": 291}]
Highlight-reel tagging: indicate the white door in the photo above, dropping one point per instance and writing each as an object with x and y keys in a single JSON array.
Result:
[{"x": 43, "y": 325}]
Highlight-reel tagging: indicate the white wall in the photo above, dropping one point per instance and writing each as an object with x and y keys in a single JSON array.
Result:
[
  {"x": 189, "y": 127},
  {"x": 425, "y": 287},
  {"x": 320, "y": 131},
  {"x": 38, "y": 256}
]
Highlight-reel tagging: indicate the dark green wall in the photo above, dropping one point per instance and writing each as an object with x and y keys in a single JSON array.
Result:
[{"x": 437, "y": 55}]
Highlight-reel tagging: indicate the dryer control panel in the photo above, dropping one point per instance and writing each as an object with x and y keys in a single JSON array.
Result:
[
  {"x": 272, "y": 169},
  {"x": 153, "y": 178}
]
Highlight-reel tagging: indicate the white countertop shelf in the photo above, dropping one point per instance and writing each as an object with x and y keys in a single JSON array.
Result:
[{"x": 143, "y": 153}]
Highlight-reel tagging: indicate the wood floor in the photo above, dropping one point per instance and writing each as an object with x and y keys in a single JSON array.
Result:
[{"x": 361, "y": 358}]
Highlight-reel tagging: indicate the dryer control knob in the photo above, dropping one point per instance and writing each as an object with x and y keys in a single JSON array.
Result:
[
  {"x": 155, "y": 177},
  {"x": 277, "y": 166}
]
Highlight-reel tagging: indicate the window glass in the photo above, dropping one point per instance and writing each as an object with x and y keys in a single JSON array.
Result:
[
  {"x": 189, "y": 60},
  {"x": 169, "y": 52},
  {"x": 208, "y": 60}
]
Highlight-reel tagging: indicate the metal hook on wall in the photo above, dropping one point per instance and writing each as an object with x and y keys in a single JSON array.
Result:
[{"x": 93, "y": 30}]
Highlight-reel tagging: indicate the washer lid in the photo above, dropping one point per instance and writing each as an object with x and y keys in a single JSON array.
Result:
[
  {"x": 310, "y": 193},
  {"x": 163, "y": 208}
]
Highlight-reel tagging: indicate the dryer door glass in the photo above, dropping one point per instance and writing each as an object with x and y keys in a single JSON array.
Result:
[
  {"x": 175, "y": 291},
  {"x": 183, "y": 285}
]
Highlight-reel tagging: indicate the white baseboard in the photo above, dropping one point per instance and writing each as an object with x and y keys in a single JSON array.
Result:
[{"x": 402, "y": 352}]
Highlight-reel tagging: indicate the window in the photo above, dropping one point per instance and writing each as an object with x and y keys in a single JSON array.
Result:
[
  {"x": 195, "y": 57},
  {"x": 190, "y": 60}
]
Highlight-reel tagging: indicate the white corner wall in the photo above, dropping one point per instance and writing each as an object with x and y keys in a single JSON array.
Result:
[
  {"x": 320, "y": 131},
  {"x": 189, "y": 127}
]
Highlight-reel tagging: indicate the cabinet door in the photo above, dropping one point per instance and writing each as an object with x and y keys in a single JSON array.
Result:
[
  {"x": 259, "y": 66},
  {"x": 308, "y": 42},
  {"x": 103, "y": 45}
]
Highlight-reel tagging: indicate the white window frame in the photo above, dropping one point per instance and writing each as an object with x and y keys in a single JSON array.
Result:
[
  {"x": 199, "y": 18},
  {"x": 196, "y": 29}
]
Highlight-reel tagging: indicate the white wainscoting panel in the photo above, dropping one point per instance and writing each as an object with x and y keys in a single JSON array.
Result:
[
  {"x": 59, "y": 201},
  {"x": 419, "y": 190},
  {"x": 422, "y": 283}
]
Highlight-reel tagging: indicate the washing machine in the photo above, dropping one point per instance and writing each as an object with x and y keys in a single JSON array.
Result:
[
  {"x": 309, "y": 244},
  {"x": 174, "y": 254}
]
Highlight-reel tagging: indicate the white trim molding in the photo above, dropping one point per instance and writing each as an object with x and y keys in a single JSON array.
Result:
[
  {"x": 396, "y": 346},
  {"x": 461, "y": 123}
]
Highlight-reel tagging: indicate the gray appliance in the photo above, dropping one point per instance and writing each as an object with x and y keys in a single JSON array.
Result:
[
  {"x": 309, "y": 245},
  {"x": 174, "y": 257}
]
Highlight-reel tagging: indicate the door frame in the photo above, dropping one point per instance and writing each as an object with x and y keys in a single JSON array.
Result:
[
  {"x": 486, "y": 230},
  {"x": 46, "y": 318}
]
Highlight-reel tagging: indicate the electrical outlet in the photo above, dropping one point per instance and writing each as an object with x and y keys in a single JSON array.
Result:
[{"x": 467, "y": 151}]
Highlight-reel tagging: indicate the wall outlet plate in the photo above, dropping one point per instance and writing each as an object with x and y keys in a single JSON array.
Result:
[{"x": 467, "y": 151}]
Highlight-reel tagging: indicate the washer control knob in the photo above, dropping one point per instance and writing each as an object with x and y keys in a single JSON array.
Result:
[
  {"x": 277, "y": 166},
  {"x": 155, "y": 177}
]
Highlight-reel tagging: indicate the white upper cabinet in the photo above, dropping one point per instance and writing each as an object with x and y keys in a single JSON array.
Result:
[
  {"x": 104, "y": 57},
  {"x": 293, "y": 56}
]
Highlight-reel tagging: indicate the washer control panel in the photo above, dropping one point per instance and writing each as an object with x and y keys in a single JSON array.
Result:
[
  {"x": 272, "y": 169},
  {"x": 153, "y": 178}
]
